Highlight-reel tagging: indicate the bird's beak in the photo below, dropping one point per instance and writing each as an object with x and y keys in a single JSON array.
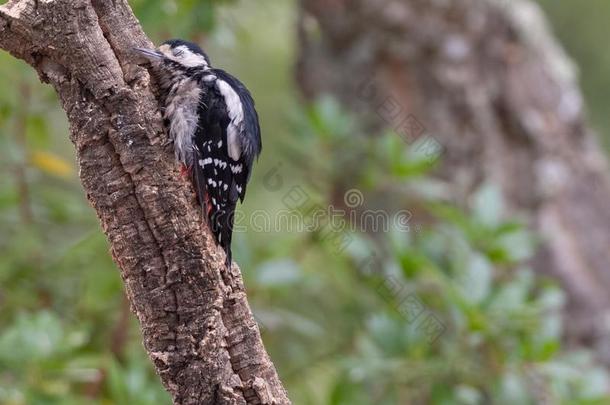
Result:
[{"x": 149, "y": 53}]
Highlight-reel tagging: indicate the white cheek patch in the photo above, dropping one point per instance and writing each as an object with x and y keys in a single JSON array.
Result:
[
  {"x": 185, "y": 56},
  {"x": 236, "y": 114},
  {"x": 191, "y": 59}
]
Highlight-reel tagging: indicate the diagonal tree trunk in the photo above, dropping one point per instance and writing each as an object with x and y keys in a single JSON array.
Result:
[
  {"x": 197, "y": 326},
  {"x": 489, "y": 82}
]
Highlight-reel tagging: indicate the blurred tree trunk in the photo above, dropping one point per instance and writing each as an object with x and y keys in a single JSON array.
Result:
[
  {"x": 197, "y": 326},
  {"x": 487, "y": 80}
]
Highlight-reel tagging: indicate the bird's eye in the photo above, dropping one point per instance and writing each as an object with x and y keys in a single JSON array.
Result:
[{"x": 178, "y": 52}]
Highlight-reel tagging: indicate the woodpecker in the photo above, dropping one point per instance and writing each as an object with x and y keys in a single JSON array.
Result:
[{"x": 211, "y": 119}]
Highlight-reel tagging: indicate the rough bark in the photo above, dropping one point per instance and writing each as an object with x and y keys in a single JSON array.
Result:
[
  {"x": 489, "y": 82},
  {"x": 196, "y": 323}
]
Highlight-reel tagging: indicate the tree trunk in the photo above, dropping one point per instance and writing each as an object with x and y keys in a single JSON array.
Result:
[
  {"x": 197, "y": 326},
  {"x": 493, "y": 87}
]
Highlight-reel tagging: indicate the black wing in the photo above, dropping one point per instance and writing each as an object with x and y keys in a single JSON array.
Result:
[
  {"x": 249, "y": 132},
  {"x": 221, "y": 180}
]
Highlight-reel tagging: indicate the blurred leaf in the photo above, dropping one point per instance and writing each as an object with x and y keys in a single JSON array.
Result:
[
  {"x": 477, "y": 280},
  {"x": 278, "y": 273},
  {"x": 467, "y": 395},
  {"x": 31, "y": 338},
  {"x": 51, "y": 164},
  {"x": 514, "y": 390},
  {"x": 488, "y": 205}
]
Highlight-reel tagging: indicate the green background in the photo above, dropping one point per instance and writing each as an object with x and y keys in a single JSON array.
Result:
[{"x": 447, "y": 313}]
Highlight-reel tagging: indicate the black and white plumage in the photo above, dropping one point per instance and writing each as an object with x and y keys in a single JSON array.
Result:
[{"x": 212, "y": 121}]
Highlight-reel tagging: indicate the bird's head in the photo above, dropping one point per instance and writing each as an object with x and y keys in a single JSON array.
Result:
[{"x": 177, "y": 53}]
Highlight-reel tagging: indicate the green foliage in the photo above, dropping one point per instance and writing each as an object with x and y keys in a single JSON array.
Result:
[
  {"x": 443, "y": 309},
  {"x": 445, "y": 312},
  {"x": 177, "y": 19}
]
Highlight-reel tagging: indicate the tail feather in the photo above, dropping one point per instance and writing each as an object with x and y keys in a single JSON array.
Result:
[
  {"x": 222, "y": 226},
  {"x": 220, "y": 220}
]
